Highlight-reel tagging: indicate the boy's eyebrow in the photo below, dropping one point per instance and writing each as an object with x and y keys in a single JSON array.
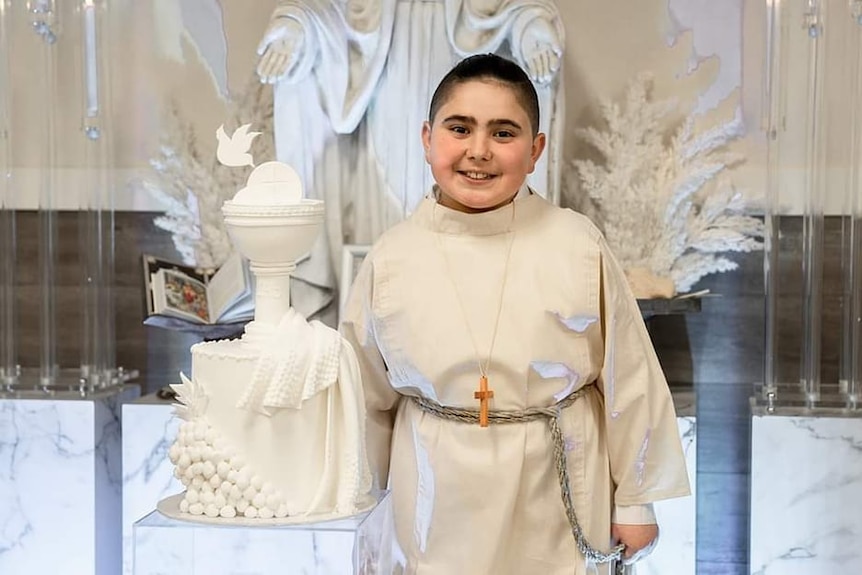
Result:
[
  {"x": 459, "y": 118},
  {"x": 505, "y": 122},
  {"x": 472, "y": 121}
]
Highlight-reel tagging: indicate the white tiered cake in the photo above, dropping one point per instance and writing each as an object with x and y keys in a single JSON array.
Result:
[{"x": 273, "y": 426}]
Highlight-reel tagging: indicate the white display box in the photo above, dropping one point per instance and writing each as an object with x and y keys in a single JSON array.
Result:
[
  {"x": 361, "y": 545},
  {"x": 677, "y": 518},
  {"x": 60, "y": 482},
  {"x": 806, "y": 508},
  {"x": 149, "y": 429}
]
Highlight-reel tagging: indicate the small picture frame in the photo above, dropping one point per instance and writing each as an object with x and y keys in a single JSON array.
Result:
[{"x": 352, "y": 256}]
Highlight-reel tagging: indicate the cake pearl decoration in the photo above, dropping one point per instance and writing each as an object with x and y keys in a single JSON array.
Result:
[
  {"x": 223, "y": 470},
  {"x": 208, "y": 469},
  {"x": 227, "y": 512},
  {"x": 192, "y": 496},
  {"x": 196, "y": 509},
  {"x": 250, "y": 512},
  {"x": 207, "y": 497},
  {"x": 215, "y": 481},
  {"x": 242, "y": 505},
  {"x": 266, "y": 513},
  {"x": 184, "y": 506},
  {"x": 184, "y": 461},
  {"x": 259, "y": 500},
  {"x": 257, "y": 482},
  {"x": 211, "y": 510},
  {"x": 272, "y": 501},
  {"x": 243, "y": 481}
]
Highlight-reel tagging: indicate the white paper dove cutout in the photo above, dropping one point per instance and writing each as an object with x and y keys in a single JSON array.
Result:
[{"x": 233, "y": 151}]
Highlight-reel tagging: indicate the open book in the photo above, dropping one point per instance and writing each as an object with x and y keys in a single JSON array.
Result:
[{"x": 196, "y": 295}]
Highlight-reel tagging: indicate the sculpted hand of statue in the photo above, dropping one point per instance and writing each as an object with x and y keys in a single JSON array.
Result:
[
  {"x": 540, "y": 46},
  {"x": 280, "y": 50}
]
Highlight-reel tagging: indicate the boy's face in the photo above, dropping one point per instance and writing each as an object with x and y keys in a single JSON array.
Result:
[{"x": 481, "y": 146}]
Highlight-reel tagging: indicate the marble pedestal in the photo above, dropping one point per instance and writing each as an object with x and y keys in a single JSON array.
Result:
[
  {"x": 149, "y": 429},
  {"x": 360, "y": 545},
  {"x": 60, "y": 483},
  {"x": 806, "y": 495},
  {"x": 677, "y": 518}
]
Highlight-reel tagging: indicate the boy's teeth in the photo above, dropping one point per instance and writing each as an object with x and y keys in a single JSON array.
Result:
[{"x": 477, "y": 175}]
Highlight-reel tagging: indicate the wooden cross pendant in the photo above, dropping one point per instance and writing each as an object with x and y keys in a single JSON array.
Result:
[{"x": 483, "y": 395}]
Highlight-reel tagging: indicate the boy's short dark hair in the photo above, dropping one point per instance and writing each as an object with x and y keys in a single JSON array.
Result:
[{"x": 489, "y": 67}]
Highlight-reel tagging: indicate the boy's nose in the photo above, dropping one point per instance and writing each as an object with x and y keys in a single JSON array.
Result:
[{"x": 478, "y": 149}]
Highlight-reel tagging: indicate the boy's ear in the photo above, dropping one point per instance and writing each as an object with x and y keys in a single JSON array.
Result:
[
  {"x": 426, "y": 140},
  {"x": 537, "y": 149}
]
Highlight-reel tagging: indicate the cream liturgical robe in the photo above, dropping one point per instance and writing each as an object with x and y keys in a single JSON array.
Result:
[{"x": 487, "y": 500}]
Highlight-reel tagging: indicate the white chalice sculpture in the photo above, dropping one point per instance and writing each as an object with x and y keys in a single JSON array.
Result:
[{"x": 273, "y": 226}]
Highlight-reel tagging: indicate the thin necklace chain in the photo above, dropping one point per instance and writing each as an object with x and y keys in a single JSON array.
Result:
[{"x": 483, "y": 369}]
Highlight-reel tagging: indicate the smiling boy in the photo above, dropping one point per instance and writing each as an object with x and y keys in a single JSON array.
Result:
[{"x": 516, "y": 408}]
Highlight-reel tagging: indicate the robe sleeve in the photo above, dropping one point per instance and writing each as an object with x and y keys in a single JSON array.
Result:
[
  {"x": 381, "y": 400},
  {"x": 646, "y": 457}
]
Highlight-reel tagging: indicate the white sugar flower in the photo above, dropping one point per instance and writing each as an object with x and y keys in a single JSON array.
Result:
[{"x": 192, "y": 399}]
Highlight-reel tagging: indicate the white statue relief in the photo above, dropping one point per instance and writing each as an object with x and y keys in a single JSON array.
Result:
[{"x": 353, "y": 81}]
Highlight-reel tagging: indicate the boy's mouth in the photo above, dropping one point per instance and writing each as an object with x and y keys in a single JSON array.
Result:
[{"x": 477, "y": 176}]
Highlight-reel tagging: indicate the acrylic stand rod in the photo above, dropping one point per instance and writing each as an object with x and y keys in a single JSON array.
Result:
[
  {"x": 812, "y": 248},
  {"x": 853, "y": 267},
  {"x": 774, "y": 129},
  {"x": 8, "y": 351},
  {"x": 48, "y": 369},
  {"x": 96, "y": 239}
]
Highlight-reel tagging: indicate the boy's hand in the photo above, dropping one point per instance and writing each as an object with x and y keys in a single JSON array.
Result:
[{"x": 634, "y": 537}]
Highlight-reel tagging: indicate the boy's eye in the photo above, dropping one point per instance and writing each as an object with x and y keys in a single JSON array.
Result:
[
  {"x": 504, "y": 134},
  {"x": 458, "y": 129}
]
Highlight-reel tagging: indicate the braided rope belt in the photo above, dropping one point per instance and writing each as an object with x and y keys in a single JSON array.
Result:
[{"x": 552, "y": 415}]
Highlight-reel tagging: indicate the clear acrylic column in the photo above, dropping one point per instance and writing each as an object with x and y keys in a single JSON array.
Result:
[
  {"x": 812, "y": 230},
  {"x": 775, "y": 74},
  {"x": 8, "y": 350},
  {"x": 43, "y": 19},
  {"x": 851, "y": 370},
  {"x": 96, "y": 219}
]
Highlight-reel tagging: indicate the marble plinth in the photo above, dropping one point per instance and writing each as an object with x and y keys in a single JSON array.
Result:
[
  {"x": 806, "y": 495},
  {"x": 677, "y": 518},
  {"x": 60, "y": 482},
  {"x": 148, "y": 476},
  {"x": 360, "y": 545}
]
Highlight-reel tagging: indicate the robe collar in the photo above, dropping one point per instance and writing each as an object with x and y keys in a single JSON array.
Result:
[{"x": 439, "y": 218}]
